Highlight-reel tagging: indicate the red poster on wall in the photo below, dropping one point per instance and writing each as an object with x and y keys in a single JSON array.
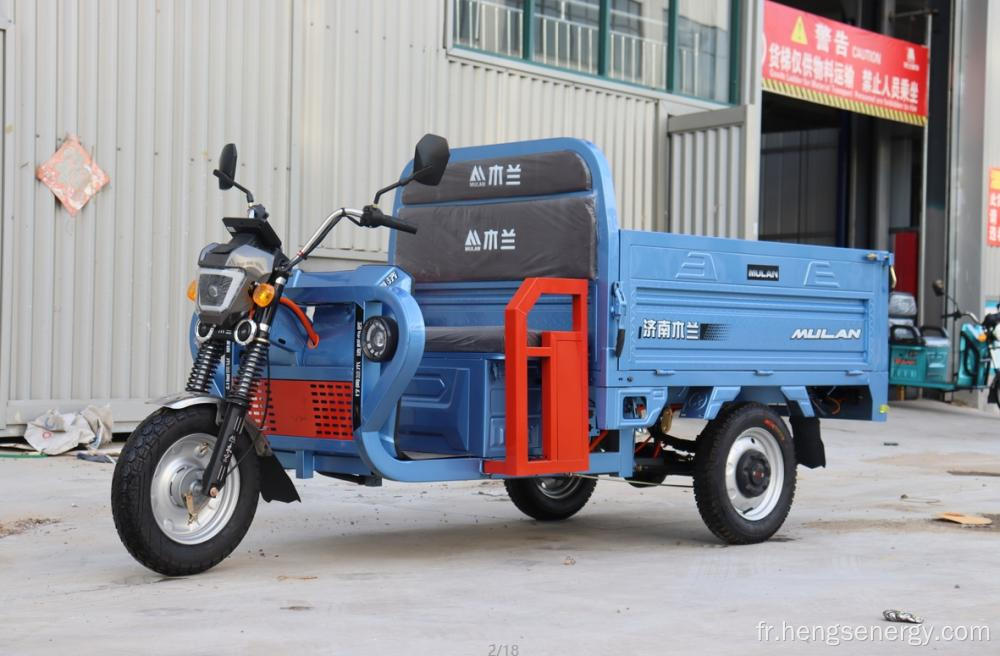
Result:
[
  {"x": 993, "y": 208},
  {"x": 819, "y": 60}
]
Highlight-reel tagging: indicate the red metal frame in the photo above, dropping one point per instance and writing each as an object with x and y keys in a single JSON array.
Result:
[{"x": 565, "y": 442}]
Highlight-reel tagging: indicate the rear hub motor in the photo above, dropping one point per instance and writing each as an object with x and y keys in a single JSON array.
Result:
[{"x": 753, "y": 473}]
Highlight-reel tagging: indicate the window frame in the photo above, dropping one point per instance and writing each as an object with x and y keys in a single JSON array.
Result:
[{"x": 527, "y": 57}]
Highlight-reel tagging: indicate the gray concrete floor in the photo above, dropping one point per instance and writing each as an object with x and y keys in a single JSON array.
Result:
[{"x": 456, "y": 569}]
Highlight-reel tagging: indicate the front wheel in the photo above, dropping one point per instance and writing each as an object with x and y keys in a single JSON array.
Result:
[
  {"x": 162, "y": 517},
  {"x": 744, "y": 474},
  {"x": 549, "y": 498}
]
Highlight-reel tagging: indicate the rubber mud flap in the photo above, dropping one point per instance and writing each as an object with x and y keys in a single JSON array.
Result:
[
  {"x": 809, "y": 450},
  {"x": 275, "y": 485}
]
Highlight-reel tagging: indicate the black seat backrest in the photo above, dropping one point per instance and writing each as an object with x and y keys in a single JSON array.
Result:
[{"x": 502, "y": 219}]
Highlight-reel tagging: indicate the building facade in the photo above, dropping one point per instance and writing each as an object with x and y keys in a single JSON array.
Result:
[{"x": 326, "y": 98}]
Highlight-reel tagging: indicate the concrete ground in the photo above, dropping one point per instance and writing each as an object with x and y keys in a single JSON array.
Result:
[{"x": 456, "y": 569}]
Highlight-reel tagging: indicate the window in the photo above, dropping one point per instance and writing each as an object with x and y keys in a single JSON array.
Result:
[
  {"x": 567, "y": 33},
  {"x": 490, "y": 25},
  {"x": 638, "y": 42},
  {"x": 702, "y": 64},
  {"x": 681, "y": 46}
]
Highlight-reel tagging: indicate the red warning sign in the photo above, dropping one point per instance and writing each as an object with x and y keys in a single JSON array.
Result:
[
  {"x": 993, "y": 208},
  {"x": 830, "y": 63}
]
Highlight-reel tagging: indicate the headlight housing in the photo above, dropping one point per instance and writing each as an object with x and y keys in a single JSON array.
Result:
[{"x": 221, "y": 292}]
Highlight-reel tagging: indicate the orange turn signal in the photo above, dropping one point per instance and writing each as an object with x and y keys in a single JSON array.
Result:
[
  {"x": 263, "y": 294},
  {"x": 981, "y": 337},
  {"x": 192, "y": 290}
]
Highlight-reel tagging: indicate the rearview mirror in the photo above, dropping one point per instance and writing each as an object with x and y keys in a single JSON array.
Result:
[
  {"x": 938, "y": 287},
  {"x": 227, "y": 166},
  {"x": 430, "y": 158}
]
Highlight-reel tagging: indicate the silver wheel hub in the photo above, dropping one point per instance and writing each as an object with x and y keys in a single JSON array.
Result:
[
  {"x": 181, "y": 511},
  {"x": 755, "y": 473},
  {"x": 558, "y": 487}
]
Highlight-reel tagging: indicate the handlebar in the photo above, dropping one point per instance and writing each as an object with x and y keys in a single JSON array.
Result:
[
  {"x": 399, "y": 224},
  {"x": 369, "y": 217}
]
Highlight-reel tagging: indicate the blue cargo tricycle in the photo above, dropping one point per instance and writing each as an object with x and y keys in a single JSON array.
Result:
[{"x": 516, "y": 333}]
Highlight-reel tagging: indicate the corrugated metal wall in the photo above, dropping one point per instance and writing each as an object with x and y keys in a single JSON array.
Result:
[
  {"x": 707, "y": 170},
  {"x": 152, "y": 89},
  {"x": 324, "y": 99}
]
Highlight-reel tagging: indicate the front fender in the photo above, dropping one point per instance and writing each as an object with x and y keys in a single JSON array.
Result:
[
  {"x": 186, "y": 400},
  {"x": 275, "y": 485}
]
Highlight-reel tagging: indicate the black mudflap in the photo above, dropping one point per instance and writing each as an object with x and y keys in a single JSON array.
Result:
[
  {"x": 275, "y": 485},
  {"x": 809, "y": 450}
]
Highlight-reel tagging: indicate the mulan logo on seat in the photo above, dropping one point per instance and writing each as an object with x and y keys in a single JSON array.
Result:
[
  {"x": 498, "y": 176},
  {"x": 823, "y": 333},
  {"x": 491, "y": 240}
]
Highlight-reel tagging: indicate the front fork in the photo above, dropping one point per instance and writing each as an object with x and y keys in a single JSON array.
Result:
[{"x": 240, "y": 394}]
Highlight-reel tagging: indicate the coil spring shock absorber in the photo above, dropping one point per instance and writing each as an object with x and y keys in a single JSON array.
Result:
[
  {"x": 209, "y": 355},
  {"x": 251, "y": 369}
]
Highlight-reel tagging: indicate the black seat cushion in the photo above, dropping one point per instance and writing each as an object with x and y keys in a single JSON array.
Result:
[
  {"x": 537, "y": 174},
  {"x": 471, "y": 339},
  {"x": 502, "y": 218},
  {"x": 546, "y": 237}
]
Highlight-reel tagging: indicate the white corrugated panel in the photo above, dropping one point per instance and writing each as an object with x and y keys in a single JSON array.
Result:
[
  {"x": 97, "y": 307},
  {"x": 706, "y": 172}
]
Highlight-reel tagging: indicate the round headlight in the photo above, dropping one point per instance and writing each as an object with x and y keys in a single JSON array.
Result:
[
  {"x": 244, "y": 332},
  {"x": 378, "y": 338}
]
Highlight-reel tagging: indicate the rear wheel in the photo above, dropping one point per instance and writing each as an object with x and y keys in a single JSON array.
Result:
[
  {"x": 744, "y": 474},
  {"x": 549, "y": 498},
  {"x": 162, "y": 517}
]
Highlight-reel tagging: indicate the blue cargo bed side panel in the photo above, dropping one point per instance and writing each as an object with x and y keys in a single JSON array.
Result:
[{"x": 698, "y": 305}]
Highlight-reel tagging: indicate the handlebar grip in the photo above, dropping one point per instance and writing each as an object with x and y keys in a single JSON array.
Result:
[{"x": 399, "y": 224}]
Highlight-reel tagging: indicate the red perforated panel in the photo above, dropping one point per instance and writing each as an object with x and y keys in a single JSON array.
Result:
[{"x": 305, "y": 408}]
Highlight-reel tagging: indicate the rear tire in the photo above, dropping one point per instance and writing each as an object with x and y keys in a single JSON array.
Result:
[
  {"x": 550, "y": 498},
  {"x": 744, "y": 474},
  {"x": 161, "y": 462}
]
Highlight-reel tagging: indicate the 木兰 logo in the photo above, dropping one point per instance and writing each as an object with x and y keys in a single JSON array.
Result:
[
  {"x": 492, "y": 239},
  {"x": 497, "y": 175}
]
